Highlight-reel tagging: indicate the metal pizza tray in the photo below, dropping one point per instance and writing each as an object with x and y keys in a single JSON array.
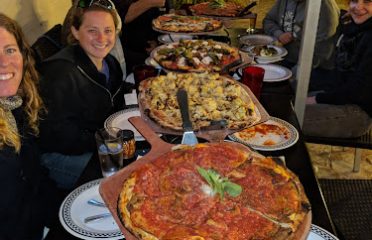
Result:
[
  {"x": 111, "y": 187},
  {"x": 209, "y": 135}
]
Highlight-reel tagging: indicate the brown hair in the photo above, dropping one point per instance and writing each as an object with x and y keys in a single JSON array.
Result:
[
  {"x": 32, "y": 102},
  {"x": 75, "y": 17}
]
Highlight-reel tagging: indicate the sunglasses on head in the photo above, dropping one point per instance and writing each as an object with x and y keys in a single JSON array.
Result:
[
  {"x": 364, "y": 1},
  {"x": 101, "y": 3}
]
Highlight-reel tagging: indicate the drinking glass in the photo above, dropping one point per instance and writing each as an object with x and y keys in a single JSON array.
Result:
[
  {"x": 251, "y": 28},
  {"x": 143, "y": 71},
  {"x": 110, "y": 150},
  {"x": 129, "y": 146},
  {"x": 253, "y": 77}
]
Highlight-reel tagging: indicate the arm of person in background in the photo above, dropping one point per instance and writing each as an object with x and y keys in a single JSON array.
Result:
[
  {"x": 271, "y": 24},
  {"x": 326, "y": 33},
  {"x": 328, "y": 20},
  {"x": 141, "y": 6}
]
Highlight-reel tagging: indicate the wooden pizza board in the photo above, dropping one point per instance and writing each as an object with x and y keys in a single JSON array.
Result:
[
  {"x": 209, "y": 135},
  {"x": 110, "y": 187}
]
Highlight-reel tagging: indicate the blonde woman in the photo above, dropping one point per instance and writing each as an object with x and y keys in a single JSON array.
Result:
[{"x": 25, "y": 206}]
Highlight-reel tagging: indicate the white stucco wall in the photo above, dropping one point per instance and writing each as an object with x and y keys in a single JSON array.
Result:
[{"x": 35, "y": 16}]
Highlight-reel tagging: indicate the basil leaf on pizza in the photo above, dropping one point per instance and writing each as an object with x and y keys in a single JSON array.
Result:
[{"x": 219, "y": 184}]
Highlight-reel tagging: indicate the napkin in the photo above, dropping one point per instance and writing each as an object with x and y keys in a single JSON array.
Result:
[{"x": 131, "y": 98}]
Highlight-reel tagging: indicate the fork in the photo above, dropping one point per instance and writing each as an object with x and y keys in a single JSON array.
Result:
[
  {"x": 96, "y": 203},
  {"x": 97, "y": 217}
]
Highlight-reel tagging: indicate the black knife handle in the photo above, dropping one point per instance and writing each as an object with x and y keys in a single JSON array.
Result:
[
  {"x": 184, "y": 108},
  {"x": 246, "y": 9}
]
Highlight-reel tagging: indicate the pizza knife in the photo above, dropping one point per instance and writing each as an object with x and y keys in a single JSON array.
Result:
[
  {"x": 189, "y": 136},
  {"x": 246, "y": 9}
]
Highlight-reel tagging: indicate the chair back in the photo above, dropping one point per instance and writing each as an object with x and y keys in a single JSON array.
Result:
[{"x": 47, "y": 45}]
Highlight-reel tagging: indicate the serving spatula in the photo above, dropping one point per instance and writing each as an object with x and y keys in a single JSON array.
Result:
[{"x": 188, "y": 137}]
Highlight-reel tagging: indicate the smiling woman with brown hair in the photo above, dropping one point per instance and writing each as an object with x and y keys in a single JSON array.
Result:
[
  {"x": 26, "y": 205},
  {"x": 82, "y": 85}
]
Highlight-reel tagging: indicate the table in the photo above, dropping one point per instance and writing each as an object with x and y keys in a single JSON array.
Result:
[{"x": 296, "y": 157}]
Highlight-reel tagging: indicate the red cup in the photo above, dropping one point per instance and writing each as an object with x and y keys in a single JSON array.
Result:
[
  {"x": 253, "y": 78},
  {"x": 143, "y": 71}
]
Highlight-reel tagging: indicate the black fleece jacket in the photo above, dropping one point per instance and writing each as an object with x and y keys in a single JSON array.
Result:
[{"x": 78, "y": 100}]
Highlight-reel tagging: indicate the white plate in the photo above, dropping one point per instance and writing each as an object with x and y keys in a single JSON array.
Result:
[
  {"x": 270, "y": 60},
  {"x": 169, "y": 38},
  {"x": 273, "y": 72},
  {"x": 256, "y": 39},
  {"x": 278, "y": 141},
  {"x": 75, "y": 208},
  {"x": 120, "y": 120},
  {"x": 318, "y": 233},
  {"x": 281, "y": 52},
  {"x": 151, "y": 62}
]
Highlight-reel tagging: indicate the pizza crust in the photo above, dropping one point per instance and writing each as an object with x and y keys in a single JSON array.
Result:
[
  {"x": 185, "y": 24},
  {"x": 230, "y": 218},
  {"x": 230, "y": 9}
]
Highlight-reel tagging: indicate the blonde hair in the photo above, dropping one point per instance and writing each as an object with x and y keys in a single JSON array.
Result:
[{"x": 32, "y": 102}]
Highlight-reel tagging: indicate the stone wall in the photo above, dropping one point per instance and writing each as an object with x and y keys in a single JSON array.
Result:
[{"x": 35, "y": 16}]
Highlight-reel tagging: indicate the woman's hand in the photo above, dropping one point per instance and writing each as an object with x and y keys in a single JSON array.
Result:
[
  {"x": 311, "y": 100},
  {"x": 286, "y": 38}
]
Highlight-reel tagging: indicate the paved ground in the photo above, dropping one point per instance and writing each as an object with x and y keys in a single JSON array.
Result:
[{"x": 333, "y": 162}]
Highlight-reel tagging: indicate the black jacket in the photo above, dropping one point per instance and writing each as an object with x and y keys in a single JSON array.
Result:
[
  {"x": 29, "y": 199},
  {"x": 78, "y": 100},
  {"x": 136, "y": 33},
  {"x": 354, "y": 68}
]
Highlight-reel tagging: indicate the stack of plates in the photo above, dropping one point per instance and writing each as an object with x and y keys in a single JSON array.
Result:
[{"x": 256, "y": 39}]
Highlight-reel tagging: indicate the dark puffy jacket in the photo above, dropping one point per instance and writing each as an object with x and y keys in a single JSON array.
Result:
[
  {"x": 354, "y": 66},
  {"x": 29, "y": 199},
  {"x": 78, "y": 100}
]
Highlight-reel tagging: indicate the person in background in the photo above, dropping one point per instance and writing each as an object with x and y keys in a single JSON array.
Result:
[
  {"x": 345, "y": 110},
  {"x": 285, "y": 22},
  {"x": 28, "y": 202},
  {"x": 81, "y": 85},
  {"x": 139, "y": 38}
]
